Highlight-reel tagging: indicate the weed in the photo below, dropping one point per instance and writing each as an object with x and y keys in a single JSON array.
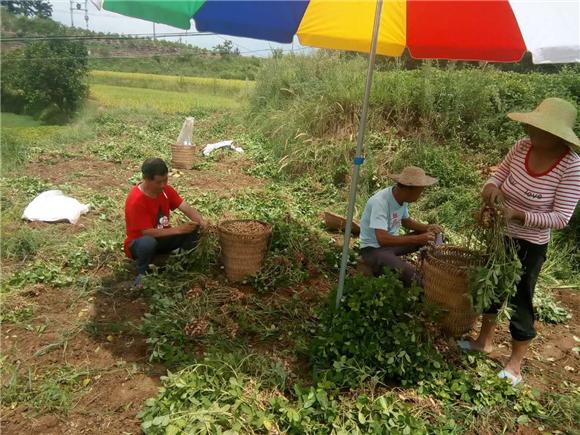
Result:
[
  {"x": 22, "y": 245},
  {"x": 547, "y": 309},
  {"x": 50, "y": 391},
  {"x": 41, "y": 272},
  {"x": 30, "y": 186},
  {"x": 562, "y": 409},
  {"x": 15, "y": 309}
]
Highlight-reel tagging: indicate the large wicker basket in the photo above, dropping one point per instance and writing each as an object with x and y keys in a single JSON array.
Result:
[
  {"x": 338, "y": 223},
  {"x": 446, "y": 270},
  {"x": 243, "y": 254},
  {"x": 182, "y": 156}
]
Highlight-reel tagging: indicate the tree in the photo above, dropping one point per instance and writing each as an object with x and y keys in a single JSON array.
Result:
[
  {"x": 49, "y": 78},
  {"x": 30, "y": 8},
  {"x": 226, "y": 49}
]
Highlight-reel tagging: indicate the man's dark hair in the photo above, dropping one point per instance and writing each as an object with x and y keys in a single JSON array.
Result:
[{"x": 153, "y": 167}]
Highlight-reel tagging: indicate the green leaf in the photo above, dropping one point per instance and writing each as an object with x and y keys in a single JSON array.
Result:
[
  {"x": 172, "y": 430},
  {"x": 361, "y": 418},
  {"x": 523, "y": 419}
]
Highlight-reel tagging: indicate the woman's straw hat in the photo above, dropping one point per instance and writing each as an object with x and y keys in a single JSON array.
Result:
[
  {"x": 414, "y": 177},
  {"x": 554, "y": 115}
]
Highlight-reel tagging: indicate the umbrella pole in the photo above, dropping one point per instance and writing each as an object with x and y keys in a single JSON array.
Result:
[{"x": 358, "y": 158}]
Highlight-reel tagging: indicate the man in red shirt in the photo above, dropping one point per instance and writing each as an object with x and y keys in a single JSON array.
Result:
[{"x": 147, "y": 210}]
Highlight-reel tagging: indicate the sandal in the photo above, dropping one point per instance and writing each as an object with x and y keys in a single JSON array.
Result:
[
  {"x": 515, "y": 380},
  {"x": 466, "y": 346}
]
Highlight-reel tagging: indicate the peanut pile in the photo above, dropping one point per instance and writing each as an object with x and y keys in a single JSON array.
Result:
[{"x": 245, "y": 227}]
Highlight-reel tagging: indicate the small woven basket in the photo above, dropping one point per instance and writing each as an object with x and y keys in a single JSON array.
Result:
[
  {"x": 446, "y": 270},
  {"x": 338, "y": 223},
  {"x": 243, "y": 254},
  {"x": 182, "y": 156}
]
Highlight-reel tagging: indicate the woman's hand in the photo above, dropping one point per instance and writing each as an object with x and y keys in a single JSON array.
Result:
[
  {"x": 492, "y": 195},
  {"x": 512, "y": 215}
]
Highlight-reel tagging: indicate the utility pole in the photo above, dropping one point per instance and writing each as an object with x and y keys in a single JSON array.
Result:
[
  {"x": 72, "y": 23},
  {"x": 87, "y": 14},
  {"x": 154, "y": 37}
]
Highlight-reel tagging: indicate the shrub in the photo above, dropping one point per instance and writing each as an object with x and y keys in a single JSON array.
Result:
[{"x": 50, "y": 90}]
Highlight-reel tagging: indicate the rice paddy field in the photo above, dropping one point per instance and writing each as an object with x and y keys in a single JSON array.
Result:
[
  {"x": 159, "y": 100},
  {"x": 207, "y": 85}
]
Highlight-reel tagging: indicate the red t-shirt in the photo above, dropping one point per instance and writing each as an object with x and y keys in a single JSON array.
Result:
[{"x": 143, "y": 212}]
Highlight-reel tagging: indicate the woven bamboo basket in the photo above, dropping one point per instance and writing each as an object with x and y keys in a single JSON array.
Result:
[
  {"x": 338, "y": 223},
  {"x": 446, "y": 270},
  {"x": 243, "y": 254},
  {"x": 182, "y": 156}
]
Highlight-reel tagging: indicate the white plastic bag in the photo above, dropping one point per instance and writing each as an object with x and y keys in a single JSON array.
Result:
[
  {"x": 210, "y": 148},
  {"x": 186, "y": 135},
  {"x": 53, "y": 206}
]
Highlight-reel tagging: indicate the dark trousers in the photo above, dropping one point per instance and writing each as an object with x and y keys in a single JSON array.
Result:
[
  {"x": 145, "y": 248},
  {"x": 390, "y": 257},
  {"x": 532, "y": 257}
]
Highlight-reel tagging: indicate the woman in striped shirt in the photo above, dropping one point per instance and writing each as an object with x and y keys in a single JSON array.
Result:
[{"x": 538, "y": 186}]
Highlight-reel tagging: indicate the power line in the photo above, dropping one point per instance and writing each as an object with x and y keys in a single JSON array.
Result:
[
  {"x": 150, "y": 56},
  {"x": 130, "y": 36}
]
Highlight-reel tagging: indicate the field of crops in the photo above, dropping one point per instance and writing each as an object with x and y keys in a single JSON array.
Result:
[
  {"x": 206, "y": 85},
  {"x": 194, "y": 353},
  {"x": 156, "y": 100}
]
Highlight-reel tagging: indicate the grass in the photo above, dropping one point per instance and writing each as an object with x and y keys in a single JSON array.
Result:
[
  {"x": 159, "y": 101},
  {"x": 16, "y": 130},
  {"x": 48, "y": 391},
  {"x": 12, "y": 120},
  {"x": 304, "y": 103}
]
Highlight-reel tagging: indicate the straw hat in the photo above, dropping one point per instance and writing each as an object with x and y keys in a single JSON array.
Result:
[
  {"x": 414, "y": 177},
  {"x": 554, "y": 115}
]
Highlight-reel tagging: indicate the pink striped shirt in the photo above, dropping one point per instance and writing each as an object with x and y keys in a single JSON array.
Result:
[{"x": 548, "y": 199}]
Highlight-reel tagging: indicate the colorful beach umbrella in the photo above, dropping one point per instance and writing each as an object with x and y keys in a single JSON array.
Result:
[
  {"x": 486, "y": 30},
  {"x": 493, "y": 30}
]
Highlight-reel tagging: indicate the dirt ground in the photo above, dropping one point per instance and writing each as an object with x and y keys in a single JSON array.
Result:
[
  {"x": 99, "y": 334},
  {"x": 112, "y": 349},
  {"x": 551, "y": 359}
]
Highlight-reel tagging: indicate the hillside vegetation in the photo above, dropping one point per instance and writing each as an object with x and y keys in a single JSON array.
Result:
[{"x": 131, "y": 54}]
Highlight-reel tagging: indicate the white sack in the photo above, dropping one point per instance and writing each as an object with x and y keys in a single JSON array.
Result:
[{"x": 52, "y": 206}]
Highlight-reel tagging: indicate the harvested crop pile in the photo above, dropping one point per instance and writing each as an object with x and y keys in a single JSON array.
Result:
[{"x": 245, "y": 227}]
